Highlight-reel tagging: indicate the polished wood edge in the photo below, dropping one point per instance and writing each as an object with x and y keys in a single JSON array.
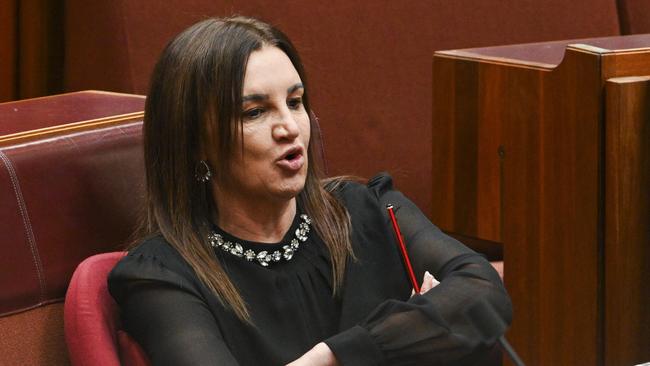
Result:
[
  {"x": 77, "y": 92},
  {"x": 471, "y": 56},
  {"x": 628, "y": 51},
  {"x": 594, "y": 50},
  {"x": 113, "y": 93},
  {"x": 70, "y": 127},
  {"x": 628, "y": 79},
  {"x": 608, "y": 52},
  {"x": 525, "y": 64}
]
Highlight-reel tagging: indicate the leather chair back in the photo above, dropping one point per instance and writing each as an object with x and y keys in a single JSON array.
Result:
[{"x": 93, "y": 331}]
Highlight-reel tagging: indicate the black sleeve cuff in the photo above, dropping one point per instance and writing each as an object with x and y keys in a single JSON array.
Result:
[{"x": 355, "y": 347}]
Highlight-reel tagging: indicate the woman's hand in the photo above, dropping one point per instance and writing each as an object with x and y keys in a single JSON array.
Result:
[
  {"x": 428, "y": 282},
  {"x": 320, "y": 355}
]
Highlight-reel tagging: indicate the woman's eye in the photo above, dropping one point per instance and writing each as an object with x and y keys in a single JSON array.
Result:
[
  {"x": 294, "y": 103},
  {"x": 253, "y": 113}
]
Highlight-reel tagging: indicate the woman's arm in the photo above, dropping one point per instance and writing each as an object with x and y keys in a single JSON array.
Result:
[
  {"x": 435, "y": 327},
  {"x": 173, "y": 326},
  {"x": 320, "y": 355}
]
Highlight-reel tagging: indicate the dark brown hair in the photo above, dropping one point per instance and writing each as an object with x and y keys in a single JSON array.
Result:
[{"x": 198, "y": 81}]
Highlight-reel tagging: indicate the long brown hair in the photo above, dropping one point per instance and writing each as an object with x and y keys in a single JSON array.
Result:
[{"x": 198, "y": 81}]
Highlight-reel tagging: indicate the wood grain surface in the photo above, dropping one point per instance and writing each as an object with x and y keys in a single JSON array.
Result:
[
  {"x": 627, "y": 221},
  {"x": 520, "y": 158}
]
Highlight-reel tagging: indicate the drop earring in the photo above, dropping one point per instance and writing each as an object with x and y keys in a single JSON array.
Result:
[{"x": 202, "y": 171}]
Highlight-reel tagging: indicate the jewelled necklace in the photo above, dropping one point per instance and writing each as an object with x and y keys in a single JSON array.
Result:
[{"x": 264, "y": 258}]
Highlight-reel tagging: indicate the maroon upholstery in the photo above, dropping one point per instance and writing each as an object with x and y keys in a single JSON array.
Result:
[
  {"x": 70, "y": 177},
  {"x": 64, "y": 199},
  {"x": 64, "y": 195},
  {"x": 92, "y": 325},
  {"x": 369, "y": 62},
  {"x": 52, "y": 111}
]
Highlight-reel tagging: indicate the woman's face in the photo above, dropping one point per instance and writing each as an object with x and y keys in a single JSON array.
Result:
[{"x": 275, "y": 125}]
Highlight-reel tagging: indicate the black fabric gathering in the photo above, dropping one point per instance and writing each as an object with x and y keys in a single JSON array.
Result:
[{"x": 373, "y": 321}]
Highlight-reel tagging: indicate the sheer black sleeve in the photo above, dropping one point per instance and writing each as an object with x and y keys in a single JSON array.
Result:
[
  {"x": 165, "y": 314},
  {"x": 433, "y": 328}
]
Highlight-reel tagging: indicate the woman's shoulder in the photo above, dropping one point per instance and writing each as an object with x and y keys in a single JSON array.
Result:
[
  {"x": 351, "y": 186},
  {"x": 155, "y": 246},
  {"x": 154, "y": 249},
  {"x": 355, "y": 191},
  {"x": 153, "y": 260}
]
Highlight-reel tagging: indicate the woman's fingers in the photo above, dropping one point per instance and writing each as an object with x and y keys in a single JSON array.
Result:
[{"x": 428, "y": 282}]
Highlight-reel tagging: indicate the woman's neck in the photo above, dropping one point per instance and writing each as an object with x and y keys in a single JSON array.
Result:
[{"x": 254, "y": 220}]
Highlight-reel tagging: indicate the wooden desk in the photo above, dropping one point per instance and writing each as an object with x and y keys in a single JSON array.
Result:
[{"x": 545, "y": 148}]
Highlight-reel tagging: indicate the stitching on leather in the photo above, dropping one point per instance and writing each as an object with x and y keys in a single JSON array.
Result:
[{"x": 26, "y": 221}]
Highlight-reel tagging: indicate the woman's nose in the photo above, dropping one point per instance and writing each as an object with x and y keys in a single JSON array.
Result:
[{"x": 286, "y": 127}]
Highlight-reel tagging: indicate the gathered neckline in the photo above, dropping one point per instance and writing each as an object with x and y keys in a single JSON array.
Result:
[{"x": 249, "y": 244}]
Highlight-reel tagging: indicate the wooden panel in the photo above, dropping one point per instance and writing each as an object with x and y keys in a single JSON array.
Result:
[
  {"x": 631, "y": 63},
  {"x": 521, "y": 208},
  {"x": 466, "y": 162},
  {"x": 570, "y": 191},
  {"x": 532, "y": 183},
  {"x": 40, "y": 44},
  {"x": 627, "y": 221},
  {"x": 7, "y": 50},
  {"x": 550, "y": 214},
  {"x": 576, "y": 261}
]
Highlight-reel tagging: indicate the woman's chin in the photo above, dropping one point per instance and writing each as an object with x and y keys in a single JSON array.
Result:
[
  {"x": 290, "y": 191},
  {"x": 288, "y": 188}
]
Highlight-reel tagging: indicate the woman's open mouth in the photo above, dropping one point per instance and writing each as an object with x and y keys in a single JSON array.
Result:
[{"x": 292, "y": 161}]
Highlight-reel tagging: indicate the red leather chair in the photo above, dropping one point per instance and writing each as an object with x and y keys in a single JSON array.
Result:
[{"x": 93, "y": 331}]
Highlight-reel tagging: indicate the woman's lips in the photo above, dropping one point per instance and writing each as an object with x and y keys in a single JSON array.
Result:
[{"x": 294, "y": 164}]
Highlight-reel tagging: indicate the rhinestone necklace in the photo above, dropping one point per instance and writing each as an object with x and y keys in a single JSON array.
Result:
[{"x": 264, "y": 258}]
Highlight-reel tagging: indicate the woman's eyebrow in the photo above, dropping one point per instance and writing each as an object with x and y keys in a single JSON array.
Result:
[
  {"x": 295, "y": 87},
  {"x": 255, "y": 97},
  {"x": 262, "y": 97}
]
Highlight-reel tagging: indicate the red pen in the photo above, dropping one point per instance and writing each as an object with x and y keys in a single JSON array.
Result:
[{"x": 402, "y": 248}]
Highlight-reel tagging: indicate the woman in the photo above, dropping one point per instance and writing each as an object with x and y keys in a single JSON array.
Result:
[{"x": 249, "y": 258}]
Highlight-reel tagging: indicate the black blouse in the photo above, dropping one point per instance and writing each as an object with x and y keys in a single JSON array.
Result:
[{"x": 373, "y": 321}]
